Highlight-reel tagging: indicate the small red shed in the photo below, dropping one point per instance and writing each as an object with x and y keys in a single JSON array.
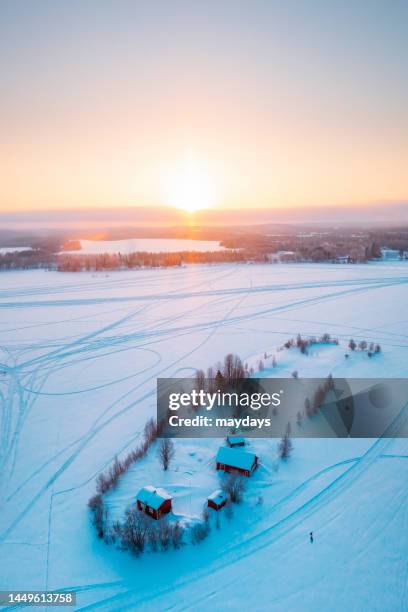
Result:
[
  {"x": 236, "y": 460},
  {"x": 217, "y": 500},
  {"x": 153, "y": 501},
  {"x": 234, "y": 441}
]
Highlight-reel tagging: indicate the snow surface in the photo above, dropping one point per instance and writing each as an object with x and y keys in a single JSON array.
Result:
[
  {"x": 5, "y": 250},
  {"x": 80, "y": 354},
  {"x": 151, "y": 245}
]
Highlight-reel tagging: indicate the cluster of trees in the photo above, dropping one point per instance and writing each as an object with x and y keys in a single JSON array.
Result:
[
  {"x": 363, "y": 345},
  {"x": 304, "y": 343},
  {"x": 139, "y": 531},
  {"x": 313, "y": 406},
  {"x": 27, "y": 260},
  {"x": 222, "y": 375}
]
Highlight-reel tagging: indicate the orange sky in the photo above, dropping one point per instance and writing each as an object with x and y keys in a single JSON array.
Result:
[{"x": 278, "y": 108}]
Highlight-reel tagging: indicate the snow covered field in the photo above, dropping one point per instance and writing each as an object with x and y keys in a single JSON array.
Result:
[
  {"x": 150, "y": 245},
  {"x": 80, "y": 354}
]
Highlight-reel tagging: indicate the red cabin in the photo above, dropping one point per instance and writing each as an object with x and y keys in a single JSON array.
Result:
[
  {"x": 217, "y": 500},
  {"x": 153, "y": 502},
  {"x": 236, "y": 461}
]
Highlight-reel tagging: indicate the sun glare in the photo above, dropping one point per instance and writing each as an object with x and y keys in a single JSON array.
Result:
[{"x": 189, "y": 186}]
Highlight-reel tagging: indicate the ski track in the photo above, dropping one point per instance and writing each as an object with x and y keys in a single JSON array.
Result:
[
  {"x": 249, "y": 546},
  {"x": 82, "y": 347}
]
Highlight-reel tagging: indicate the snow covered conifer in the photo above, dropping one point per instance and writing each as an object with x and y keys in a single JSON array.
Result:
[{"x": 285, "y": 445}]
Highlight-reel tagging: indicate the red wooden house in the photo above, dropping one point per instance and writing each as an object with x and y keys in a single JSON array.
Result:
[
  {"x": 217, "y": 500},
  {"x": 154, "y": 502},
  {"x": 236, "y": 460}
]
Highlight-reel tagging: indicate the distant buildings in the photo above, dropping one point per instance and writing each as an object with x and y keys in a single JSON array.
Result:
[
  {"x": 390, "y": 254},
  {"x": 282, "y": 256}
]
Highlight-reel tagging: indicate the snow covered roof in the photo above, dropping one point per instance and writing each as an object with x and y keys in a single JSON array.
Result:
[
  {"x": 152, "y": 496},
  {"x": 218, "y": 497},
  {"x": 235, "y": 440},
  {"x": 236, "y": 457}
]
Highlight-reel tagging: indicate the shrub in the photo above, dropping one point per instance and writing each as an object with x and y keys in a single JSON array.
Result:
[
  {"x": 99, "y": 514},
  {"x": 199, "y": 532}
]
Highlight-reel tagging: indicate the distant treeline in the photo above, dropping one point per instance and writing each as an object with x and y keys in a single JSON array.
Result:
[
  {"x": 117, "y": 261},
  {"x": 27, "y": 260}
]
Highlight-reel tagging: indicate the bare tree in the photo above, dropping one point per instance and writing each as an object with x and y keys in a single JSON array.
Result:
[
  {"x": 234, "y": 487},
  {"x": 134, "y": 532},
  {"x": 200, "y": 380},
  {"x": 177, "y": 535},
  {"x": 166, "y": 452}
]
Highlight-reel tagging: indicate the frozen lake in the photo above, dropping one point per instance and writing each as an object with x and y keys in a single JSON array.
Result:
[
  {"x": 151, "y": 245},
  {"x": 79, "y": 358},
  {"x": 5, "y": 250}
]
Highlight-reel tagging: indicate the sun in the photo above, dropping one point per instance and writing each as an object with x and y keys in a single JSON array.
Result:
[{"x": 189, "y": 186}]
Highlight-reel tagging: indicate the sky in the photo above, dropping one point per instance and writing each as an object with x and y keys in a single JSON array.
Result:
[{"x": 229, "y": 103}]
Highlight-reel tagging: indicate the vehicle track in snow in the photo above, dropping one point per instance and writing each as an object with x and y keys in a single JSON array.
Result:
[{"x": 267, "y": 536}]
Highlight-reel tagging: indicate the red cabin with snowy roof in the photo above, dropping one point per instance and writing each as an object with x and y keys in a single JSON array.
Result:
[
  {"x": 236, "y": 460},
  {"x": 153, "y": 501},
  {"x": 217, "y": 500}
]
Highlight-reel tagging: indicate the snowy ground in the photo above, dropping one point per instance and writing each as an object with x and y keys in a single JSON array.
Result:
[{"x": 80, "y": 355}]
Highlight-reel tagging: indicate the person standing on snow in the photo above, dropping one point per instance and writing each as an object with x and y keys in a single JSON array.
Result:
[{"x": 311, "y": 537}]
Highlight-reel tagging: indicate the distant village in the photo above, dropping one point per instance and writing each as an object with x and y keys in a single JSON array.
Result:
[{"x": 332, "y": 245}]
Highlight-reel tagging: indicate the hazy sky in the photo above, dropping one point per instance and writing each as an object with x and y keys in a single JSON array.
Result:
[{"x": 279, "y": 103}]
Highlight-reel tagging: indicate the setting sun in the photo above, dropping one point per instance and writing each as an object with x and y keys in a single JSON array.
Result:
[{"x": 190, "y": 186}]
